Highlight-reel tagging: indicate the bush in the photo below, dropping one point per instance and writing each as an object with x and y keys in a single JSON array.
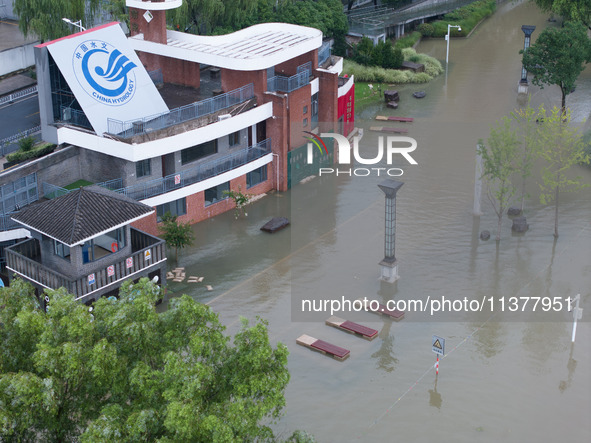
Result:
[
  {"x": 39, "y": 151},
  {"x": 467, "y": 17},
  {"x": 426, "y": 29},
  {"x": 408, "y": 40},
  {"x": 26, "y": 144}
]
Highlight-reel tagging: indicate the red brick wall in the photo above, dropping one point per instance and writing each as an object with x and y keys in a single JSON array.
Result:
[
  {"x": 180, "y": 72},
  {"x": 278, "y": 132},
  {"x": 236, "y": 79},
  {"x": 155, "y": 31},
  {"x": 290, "y": 67},
  {"x": 298, "y": 99},
  {"x": 327, "y": 100},
  {"x": 196, "y": 209}
]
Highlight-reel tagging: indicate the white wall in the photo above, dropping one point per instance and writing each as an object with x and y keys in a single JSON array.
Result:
[{"x": 16, "y": 59}]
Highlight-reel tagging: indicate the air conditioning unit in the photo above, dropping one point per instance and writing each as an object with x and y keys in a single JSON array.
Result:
[
  {"x": 66, "y": 114},
  {"x": 224, "y": 117}
]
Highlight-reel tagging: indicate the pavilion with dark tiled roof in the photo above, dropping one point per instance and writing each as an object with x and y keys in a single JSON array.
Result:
[
  {"x": 82, "y": 214},
  {"x": 84, "y": 241}
]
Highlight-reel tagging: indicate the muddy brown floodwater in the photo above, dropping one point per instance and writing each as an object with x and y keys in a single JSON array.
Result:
[{"x": 503, "y": 378}]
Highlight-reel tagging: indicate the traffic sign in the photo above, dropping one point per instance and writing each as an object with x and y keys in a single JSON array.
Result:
[
  {"x": 438, "y": 345},
  {"x": 91, "y": 279}
]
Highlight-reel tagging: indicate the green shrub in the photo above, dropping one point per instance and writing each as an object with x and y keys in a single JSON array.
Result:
[
  {"x": 467, "y": 17},
  {"x": 408, "y": 40},
  {"x": 39, "y": 151},
  {"x": 26, "y": 144},
  {"x": 426, "y": 29}
]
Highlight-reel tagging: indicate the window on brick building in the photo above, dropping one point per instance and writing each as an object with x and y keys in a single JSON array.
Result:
[
  {"x": 176, "y": 207},
  {"x": 199, "y": 151},
  {"x": 305, "y": 123},
  {"x": 234, "y": 138},
  {"x": 257, "y": 176},
  {"x": 143, "y": 168},
  {"x": 215, "y": 194},
  {"x": 305, "y": 111}
]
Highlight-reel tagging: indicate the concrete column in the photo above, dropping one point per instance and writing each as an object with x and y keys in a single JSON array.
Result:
[{"x": 389, "y": 264}]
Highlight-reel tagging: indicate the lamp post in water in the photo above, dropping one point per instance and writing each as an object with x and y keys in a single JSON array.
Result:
[
  {"x": 528, "y": 31},
  {"x": 447, "y": 38},
  {"x": 389, "y": 264}
]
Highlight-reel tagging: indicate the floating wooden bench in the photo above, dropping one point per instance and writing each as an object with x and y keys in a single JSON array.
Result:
[
  {"x": 351, "y": 327},
  {"x": 394, "y": 314},
  {"x": 275, "y": 224},
  {"x": 394, "y": 119},
  {"x": 333, "y": 351},
  {"x": 386, "y": 129}
]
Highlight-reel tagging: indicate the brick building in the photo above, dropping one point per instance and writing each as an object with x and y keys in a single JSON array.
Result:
[{"x": 173, "y": 120}]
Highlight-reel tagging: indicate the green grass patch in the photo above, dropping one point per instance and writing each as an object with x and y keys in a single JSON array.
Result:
[
  {"x": 78, "y": 184},
  {"x": 467, "y": 17},
  {"x": 408, "y": 41}
]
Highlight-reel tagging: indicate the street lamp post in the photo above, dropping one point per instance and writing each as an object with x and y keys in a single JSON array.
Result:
[
  {"x": 77, "y": 24},
  {"x": 528, "y": 31},
  {"x": 447, "y": 38},
  {"x": 389, "y": 264}
]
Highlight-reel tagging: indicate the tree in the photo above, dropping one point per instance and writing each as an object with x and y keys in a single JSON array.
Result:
[
  {"x": 498, "y": 164},
  {"x": 128, "y": 373},
  {"x": 176, "y": 234},
  {"x": 240, "y": 200},
  {"x": 558, "y": 57},
  {"x": 562, "y": 147},
  {"x": 526, "y": 120},
  {"x": 569, "y": 10},
  {"x": 44, "y": 17}
]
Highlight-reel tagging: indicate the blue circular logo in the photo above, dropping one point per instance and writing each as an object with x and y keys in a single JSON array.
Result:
[{"x": 104, "y": 72}]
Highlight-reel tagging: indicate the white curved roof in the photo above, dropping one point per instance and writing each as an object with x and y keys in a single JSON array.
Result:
[{"x": 257, "y": 47}]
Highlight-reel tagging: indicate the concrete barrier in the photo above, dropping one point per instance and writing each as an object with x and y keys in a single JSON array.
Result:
[{"x": 18, "y": 58}]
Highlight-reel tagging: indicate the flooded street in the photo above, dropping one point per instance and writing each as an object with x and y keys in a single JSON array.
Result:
[{"x": 504, "y": 378}]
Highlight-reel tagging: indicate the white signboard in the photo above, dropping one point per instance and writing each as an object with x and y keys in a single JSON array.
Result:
[
  {"x": 106, "y": 76},
  {"x": 438, "y": 345}
]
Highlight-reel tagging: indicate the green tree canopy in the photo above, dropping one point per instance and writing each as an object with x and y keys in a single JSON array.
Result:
[
  {"x": 558, "y": 57},
  {"x": 498, "y": 164},
  {"x": 561, "y": 148},
  {"x": 44, "y": 17},
  {"x": 570, "y": 10},
  {"x": 125, "y": 372},
  {"x": 176, "y": 234}
]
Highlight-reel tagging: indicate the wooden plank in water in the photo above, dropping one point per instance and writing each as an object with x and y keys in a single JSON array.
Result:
[
  {"x": 351, "y": 327},
  {"x": 360, "y": 329},
  {"x": 394, "y": 119},
  {"x": 386, "y": 129},
  {"x": 334, "y": 351}
]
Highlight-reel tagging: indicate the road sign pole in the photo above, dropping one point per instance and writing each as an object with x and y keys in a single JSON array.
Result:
[
  {"x": 437, "y": 366},
  {"x": 576, "y": 315}
]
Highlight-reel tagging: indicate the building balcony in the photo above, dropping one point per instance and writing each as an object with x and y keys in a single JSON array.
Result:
[
  {"x": 201, "y": 172},
  {"x": 24, "y": 259},
  {"x": 289, "y": 84}
]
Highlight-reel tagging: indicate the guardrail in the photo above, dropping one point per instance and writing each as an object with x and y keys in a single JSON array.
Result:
[
  {"x": 370, "y": 20},
  {"x": 8, "y": 144},
  {"x": 52, "y": 191},
  {"x": 179, "y": 115},
  {"x": 18, "y": 94},
  {"x": 201, "y": 172},
  {"x": 288, "y": 84},
  {"x": 74, "y": 117},
  {"x": 323, "y": 53}
]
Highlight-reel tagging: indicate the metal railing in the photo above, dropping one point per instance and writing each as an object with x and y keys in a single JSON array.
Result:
[
  {"x": 112, "y": 185},
  {"x": 323, "y": 53},
  {"x": 9, "y": 144},
  {"x": 156, "y": 77},
  {"x": 18, "y": 193},
  {"x": 200, "y": 172},
  {"x": 52, "y": 191},
  {"x": 6, "y": 222},
  {"x": 74, "y": 117},
  {"x": 370, "y": 20},
  {"x": 288, "y": 84},
  {"x": 18, "y": 94},
  {"x": 179, "y": 115}
]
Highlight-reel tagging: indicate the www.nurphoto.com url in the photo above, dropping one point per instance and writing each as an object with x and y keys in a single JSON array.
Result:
[{"x": 434, "y": 306}]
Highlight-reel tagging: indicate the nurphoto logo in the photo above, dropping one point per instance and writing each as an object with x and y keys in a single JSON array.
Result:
[{"x": 388, "y": 146}]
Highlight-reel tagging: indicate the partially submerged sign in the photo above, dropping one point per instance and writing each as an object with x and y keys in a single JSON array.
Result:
[{"x": 438, "y": 345}]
